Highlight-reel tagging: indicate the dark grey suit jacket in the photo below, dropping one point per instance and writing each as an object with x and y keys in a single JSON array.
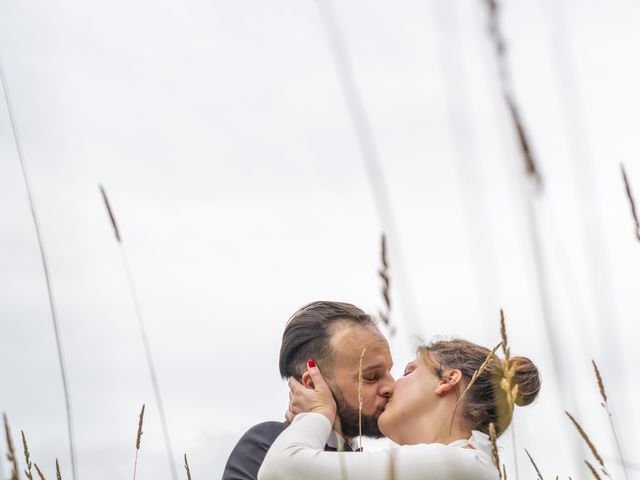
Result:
[{"x": 248, "y": 454}]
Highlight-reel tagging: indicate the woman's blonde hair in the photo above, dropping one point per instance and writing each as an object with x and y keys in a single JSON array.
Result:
[{"x": 485, "y": 402}]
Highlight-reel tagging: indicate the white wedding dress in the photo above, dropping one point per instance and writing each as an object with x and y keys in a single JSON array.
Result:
[{"x": 298, "y": 454}]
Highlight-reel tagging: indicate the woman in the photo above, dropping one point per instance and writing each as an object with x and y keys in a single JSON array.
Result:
[{"x": 439, "y": 438}]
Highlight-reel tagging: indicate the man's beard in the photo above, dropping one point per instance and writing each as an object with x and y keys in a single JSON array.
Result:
[{"x": 349, "y": 419}]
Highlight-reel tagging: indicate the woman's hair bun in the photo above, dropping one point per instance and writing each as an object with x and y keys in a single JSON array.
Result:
[{"x": 527, "y": 378}]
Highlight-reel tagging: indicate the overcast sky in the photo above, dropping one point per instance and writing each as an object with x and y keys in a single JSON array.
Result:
[{"x": 221, "y": 134}]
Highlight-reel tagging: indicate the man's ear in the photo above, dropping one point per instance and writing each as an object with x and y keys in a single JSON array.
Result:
[
  {"x": 449, "y": 381},
  {"x": 307, "y": 381}
]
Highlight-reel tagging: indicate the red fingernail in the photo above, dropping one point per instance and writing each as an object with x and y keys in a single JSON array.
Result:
[{"x": 311, "y": 363}]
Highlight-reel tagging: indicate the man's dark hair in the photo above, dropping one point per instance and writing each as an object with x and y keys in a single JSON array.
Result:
[{"x": 307, "y": 334}]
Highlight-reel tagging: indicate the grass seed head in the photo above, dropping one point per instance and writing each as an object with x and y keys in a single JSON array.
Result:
[
  {"x": 593, "y": 471},
  {"x": 603, "y": 392},
  {"x": 140, "y": 421},
  {"x": 534, "y": 465},
  {"x": 27, "y": 459},
  {"x": 632, "y": 203},
  {"x": 494, "y": 447},
  {"x": 39, "y": 471},
  {"x": 112, "y": 217},
  {"x": 588, "y": 441},
  {"x": 186, "y": 467},
  {"x": 11, "y": 452}
]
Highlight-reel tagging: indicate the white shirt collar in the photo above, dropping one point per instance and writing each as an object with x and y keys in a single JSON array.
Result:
[
  {"x": 478, "y": 440},
  {"x": 337, "y": 441}
]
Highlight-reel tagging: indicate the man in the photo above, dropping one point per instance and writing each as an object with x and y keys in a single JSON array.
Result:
[{"x": 338, "y": 337}]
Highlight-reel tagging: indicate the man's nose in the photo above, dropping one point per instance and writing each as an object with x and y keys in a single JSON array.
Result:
[{"x": 387, "y": 386}]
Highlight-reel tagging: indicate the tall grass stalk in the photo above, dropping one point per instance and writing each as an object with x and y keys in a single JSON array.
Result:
[
  {"x": 360, "y": 383},
  {"x": 385, "y": 315},
  {"x": 589, "y": 443},
  {"x": 138, "y": 438},
  {"x": 143, "y": 335},
  {"x": 186, "y": 467},
  {"x": 45, "y": 267},
  {"x": 39, "y": 471},
  {"x": 508, "y": 385},
  {"x": 540, "y": 477},
  {"x": 605, "y": 405},
  {"x": 632, "y": 203},
  {"x": 499, "y": 44},
  {"x": 370, "y": 155},
  {"x": 529, "y": 185},
  {"x": 11, "y": 452},
  {"x": 58, "y": 474},
  {"x": 494, "y": 449},
  {"x": 593, "y": 471},
  {"x": 27, "y": 457}
]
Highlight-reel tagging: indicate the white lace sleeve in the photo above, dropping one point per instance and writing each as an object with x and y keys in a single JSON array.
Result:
[{"x": 298, "y": 454}]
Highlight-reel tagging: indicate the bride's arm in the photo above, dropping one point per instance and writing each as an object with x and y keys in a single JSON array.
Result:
[{"x": 298, "y": 453}]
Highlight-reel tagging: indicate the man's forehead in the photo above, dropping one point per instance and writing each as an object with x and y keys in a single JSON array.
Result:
[{"x": 348, "y": 340}]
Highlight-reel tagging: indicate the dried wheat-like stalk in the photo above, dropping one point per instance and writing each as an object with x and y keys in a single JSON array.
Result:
[
  {"x": 508, "y": 386},
  {"x": 112, "y": 217},
  {"x": 39, "y": 472},
  {"x": 534, "y": 465},
  {"x": 45, "y": 268},
  {"x": 474, "y": 377},
  {"x": 494, "y": 448},
  {"x": 605, "y": 405},
  {"x": 503, "y": 333},
  {"x": 27, "y": 459},
  {"x": 11, "y": 452},
  {"x": 186, "y": 467},
  {"x": 500, "y": 52},
  {"x": 634, "y": 212},
  {"x": 367, "y": 144},
  {"x": 360, "y": 382},
  {"x": 58, "y": 474},
  {"x": 140, "y": 422},
  {"x": 138, "y": 437},
  {"x": 507, "y": 383},
  {"x": 145, "y": 340},
  {"x": 593, "y": 471},
  {"x": 589, "y": 443},
  {"x": 385, "y": 316},
  {"x": 603, "y": 392}
]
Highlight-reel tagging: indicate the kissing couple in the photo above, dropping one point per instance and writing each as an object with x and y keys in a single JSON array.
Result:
[{"x": 338, "y": 366}]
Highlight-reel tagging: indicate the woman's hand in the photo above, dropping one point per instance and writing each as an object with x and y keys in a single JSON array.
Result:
[{"x": 315, "y": 398}]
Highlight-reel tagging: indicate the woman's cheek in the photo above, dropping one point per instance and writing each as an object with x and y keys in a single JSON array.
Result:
[{"x": 382, "y": 424}]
